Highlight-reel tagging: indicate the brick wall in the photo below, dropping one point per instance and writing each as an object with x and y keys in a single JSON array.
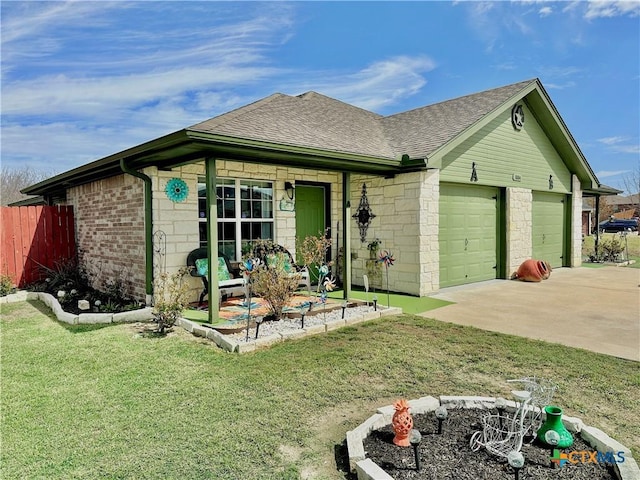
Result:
[{"x": 109, "y": 217}]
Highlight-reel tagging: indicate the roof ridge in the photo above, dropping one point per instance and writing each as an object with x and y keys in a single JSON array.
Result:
[{"x": 463, "y": 97}]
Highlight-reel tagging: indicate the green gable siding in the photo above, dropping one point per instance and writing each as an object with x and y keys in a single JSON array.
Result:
[{"x": 500, "y": 151}]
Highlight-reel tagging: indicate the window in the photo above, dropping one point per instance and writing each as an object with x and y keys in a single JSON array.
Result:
[{"x": 245, "y": 213}]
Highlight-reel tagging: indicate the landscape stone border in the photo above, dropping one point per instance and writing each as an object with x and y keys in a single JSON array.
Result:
[
  {"x": 229, "y": 344},
  {"x": 139, "y": 315},
  {"x": 225, "y": 342},
  {"x": 367, "y": 469}
]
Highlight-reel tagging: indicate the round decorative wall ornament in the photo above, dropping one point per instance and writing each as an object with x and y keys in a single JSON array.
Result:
[
  {"x": 517, "y": 116},
  {"x": 177, "y": 190}
]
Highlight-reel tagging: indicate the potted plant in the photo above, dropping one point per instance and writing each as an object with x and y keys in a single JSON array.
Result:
[{"x": 373, "y": 246}]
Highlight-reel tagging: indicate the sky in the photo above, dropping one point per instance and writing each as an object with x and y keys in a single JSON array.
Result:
[{"x": 85, "y": 79}]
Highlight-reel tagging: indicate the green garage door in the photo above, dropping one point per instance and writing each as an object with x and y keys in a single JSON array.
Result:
[
  {"x": 468, "y": 234},
  {"x": 548, "y": 229}
]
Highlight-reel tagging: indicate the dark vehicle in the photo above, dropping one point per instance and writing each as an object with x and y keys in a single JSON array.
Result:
[{"x": 618, "y": 225}]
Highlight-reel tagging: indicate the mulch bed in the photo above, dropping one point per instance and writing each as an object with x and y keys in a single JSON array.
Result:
[{"x": 449, "y": 456}]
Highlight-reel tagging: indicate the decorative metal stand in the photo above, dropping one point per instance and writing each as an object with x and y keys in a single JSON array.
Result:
[
  {"x": 159, "y": 251},
  {"x": 502, "y": 434}
]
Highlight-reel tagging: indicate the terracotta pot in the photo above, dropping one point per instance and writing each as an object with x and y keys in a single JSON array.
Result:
[
  {"x": 402, "y": 422},
  {"x": 533, "y": 271}
]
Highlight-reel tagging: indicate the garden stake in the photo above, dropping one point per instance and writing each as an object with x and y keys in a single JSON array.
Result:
[
  {"x": 501, "y": 405},
  {"x": 441, "y": 415},
  {"x": 344, "y": 307},
  {"x": 375, "y": 303},
  {"x": 414, "y": 439},
  {"x": 258, "y": 323},
  {"x": 516, "y": 460},
  {"x": 552, "y": 438},
  {"x": 386, "y": 257}
]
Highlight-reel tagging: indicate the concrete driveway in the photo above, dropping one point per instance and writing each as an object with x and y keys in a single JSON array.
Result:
[{"x": 597, "y": 309}]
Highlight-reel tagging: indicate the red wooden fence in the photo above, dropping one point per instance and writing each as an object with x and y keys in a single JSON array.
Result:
[{"x": 33, "y": 237}]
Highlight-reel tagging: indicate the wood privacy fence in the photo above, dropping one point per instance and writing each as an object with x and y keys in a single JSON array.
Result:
[{"x": 35, "y": 237}]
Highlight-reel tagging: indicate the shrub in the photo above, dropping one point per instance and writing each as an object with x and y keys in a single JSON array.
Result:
[
  {"x": 611, "y": 249},
  {"x": 170, "y": 297},
  {"x": 6, "y": 285},
  {"x": 273, "y": 279}
]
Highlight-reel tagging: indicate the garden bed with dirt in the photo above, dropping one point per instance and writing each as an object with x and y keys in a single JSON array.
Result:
[{"x": 449, "y": 456}]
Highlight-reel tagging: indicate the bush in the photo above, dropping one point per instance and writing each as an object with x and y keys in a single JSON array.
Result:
[
  {"x": 6, "y": 285},
  {"x": 611, "y": 249},
  {"x": 272, "y": 280},
  {"x": 170, "y": 297}
]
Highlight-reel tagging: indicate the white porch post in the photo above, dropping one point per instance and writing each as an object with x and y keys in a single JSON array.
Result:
[
  {"x": 212, "y": 239},
  {"x": 346, "y": 237}
]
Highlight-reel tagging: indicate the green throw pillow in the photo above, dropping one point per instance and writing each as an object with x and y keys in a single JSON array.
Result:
[
  {"x": 280, "y": 259},
  {"x": 202, "y": 266},
  {"x": 223, "y": 271}
]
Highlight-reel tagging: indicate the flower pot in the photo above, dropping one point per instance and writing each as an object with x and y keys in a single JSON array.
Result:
[{"x": 554, "y": 422}]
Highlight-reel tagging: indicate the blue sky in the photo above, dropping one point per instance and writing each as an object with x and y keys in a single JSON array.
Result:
[{"x": 82, "y": 80}]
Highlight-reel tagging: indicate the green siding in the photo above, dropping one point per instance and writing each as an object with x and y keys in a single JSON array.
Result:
[
  {"x": 500, "y": 151},
  {"x": 468, "y": 234},
  {"x": 548, "y": 229}
]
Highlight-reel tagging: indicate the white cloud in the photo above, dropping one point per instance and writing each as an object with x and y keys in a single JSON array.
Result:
[
  {"x": 545, "y": 11},
  {"x": 612, "y": 140},
  {"x": 378, "y": 85},
  {"x": 610, "y": 173},
  {"x": 609, "y": 9}
]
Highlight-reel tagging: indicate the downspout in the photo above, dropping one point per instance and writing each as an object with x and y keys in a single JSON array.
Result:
[{"x": 148, "y": 228}]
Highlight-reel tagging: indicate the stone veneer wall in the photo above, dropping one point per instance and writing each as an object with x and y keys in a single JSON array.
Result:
[
  {"x": 179, "y": 221},
  {"x": 406, "y": 209},
  {"x": 109, "y": 218},
  {"x": 519, "y": 218},
  {"x": 576, "y": 223}
]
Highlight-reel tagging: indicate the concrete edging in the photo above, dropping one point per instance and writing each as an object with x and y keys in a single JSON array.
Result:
[
  {"x": 140, "y": 315},
  {"x": 366, "y": 469},
  {"x": 229, "y": 344}
]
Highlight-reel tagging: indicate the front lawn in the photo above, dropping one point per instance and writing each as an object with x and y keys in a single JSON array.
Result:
[
  {"x": 631, "y": 244},
  {"x": 112, "y": 402}
]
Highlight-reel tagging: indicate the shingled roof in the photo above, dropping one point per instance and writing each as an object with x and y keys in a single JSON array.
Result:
[
  {"x": 316, "y": 121},
  {"x": 418, "y": 133},
  {"x": 308, "y": 120}
]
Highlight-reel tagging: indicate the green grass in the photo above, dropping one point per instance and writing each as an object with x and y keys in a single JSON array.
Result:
[{"x": 112, "y": 402}]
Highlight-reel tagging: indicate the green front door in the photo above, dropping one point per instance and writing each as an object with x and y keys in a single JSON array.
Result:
[
  {"x": 468, "y": 234},
  {"x": 548, "y": 229},
  {"x": 310, "y": 216}
]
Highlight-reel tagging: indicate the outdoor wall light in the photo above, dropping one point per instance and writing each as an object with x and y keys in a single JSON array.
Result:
[
  {"x": 415, "y": 437},
  {"x": 516, "y": 460},
  {"x": 441, "y": 414},
  {"x": 552, "y": 438},
  {"x": 289, "y": 189},
  {"x": 550, "y": 182}
]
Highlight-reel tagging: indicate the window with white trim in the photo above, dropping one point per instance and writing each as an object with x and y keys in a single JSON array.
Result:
[{"x": 245, "y": 213}]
